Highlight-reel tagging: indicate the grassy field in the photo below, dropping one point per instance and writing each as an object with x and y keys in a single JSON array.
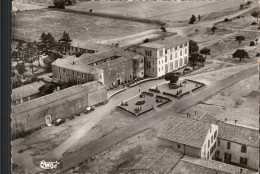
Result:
[
  {"x": 28, "y": 25},
  {"x": 169, "y": 11}
]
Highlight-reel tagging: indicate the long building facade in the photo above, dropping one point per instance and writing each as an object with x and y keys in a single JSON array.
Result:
[{"x": 165, "y": 55}]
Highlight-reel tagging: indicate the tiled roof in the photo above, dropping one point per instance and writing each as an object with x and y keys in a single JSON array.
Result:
[
  {"x": 76, "y": 66},
  {"x": 244, "y": 135},
  {"x": 169, "y": 42},
  {"x": 90, "y": 46},
  {"x": 44, "y": 100},
  {"x": 185, "y": 131},
  {"x": 158, "y": 161},
  {"x": 193, "y": 165},
  {"x": 26, "y": 90},
  {"x": 119, "y": 52}
]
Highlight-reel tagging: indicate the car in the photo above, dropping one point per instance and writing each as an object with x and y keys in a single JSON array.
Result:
[
  {"x": 59, "y": 121},
  {"x": 89, "y": 109}
]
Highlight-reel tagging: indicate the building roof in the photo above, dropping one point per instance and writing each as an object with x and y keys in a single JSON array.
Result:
[
  {"x": 193, "y": 165},
  {"x": 77, "y": 66},
  {"x": 169, "y": 42},
  {"x": 113, "y": 52},
  {"x": 26, "y": 90},
  {"x": 158, "y": 161},
  {"x": 185, "y": 131},
  {"x": 244, "y": 135},
  {"x": 44, "y": 100},
  {"x": 90, "y": 46}
]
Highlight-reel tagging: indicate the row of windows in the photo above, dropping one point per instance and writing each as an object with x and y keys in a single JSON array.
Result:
[
  {"x": 148, "y": 53},
  {"x": 228, "y": 158},
  {"x": 176, "y": 53},
  {"x": 243, "y": 147}
]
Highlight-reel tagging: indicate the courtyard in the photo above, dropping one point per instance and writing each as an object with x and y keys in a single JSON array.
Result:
[
  {"x": 143, "y": 103},
  {"x": 179, "y": 90}
]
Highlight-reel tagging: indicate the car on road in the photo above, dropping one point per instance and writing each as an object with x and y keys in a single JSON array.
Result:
[{"x": 59, "y": 121}]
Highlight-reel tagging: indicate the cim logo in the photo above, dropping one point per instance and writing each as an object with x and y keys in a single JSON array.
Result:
[{"x": 48, "y": 165}]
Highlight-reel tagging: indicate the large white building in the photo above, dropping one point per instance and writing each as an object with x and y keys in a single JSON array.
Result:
[{"x": 165, "y": 55}]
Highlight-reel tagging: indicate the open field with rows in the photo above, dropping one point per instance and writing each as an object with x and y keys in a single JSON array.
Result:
[
  {"x": 168, "y": 11},
  {"x": 28, "y": 25}
]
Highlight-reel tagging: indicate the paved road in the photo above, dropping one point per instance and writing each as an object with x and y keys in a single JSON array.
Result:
[{"x": 155, "y": 117}]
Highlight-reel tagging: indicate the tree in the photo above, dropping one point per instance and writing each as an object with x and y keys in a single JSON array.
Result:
[
  {"x": 205, "y": 51},
  {"x": 241, "y": 54},
  {"x": 195, "y": 58},
  {"x": 192, "y": 19},
  {"x": 240, "y": 39},
  {"x": 213, "y": 29},
  {"x": 49, "y": 60},
  {"x": 242, "y": 6},
  {"x": 146, "y": 40},
  {"x": 65, "y": 41},
  {"x": 193, "y": 47},
  {"x": 47, "y": 44},
  {"x": 163, "y": 29},
  {"x": 172, "y": 77},
  {"x": 59, "y": 3},
  {"x": 252, "y": 43},
  {"x": 16, "y": 81},
  {"x": 47, "y": 89},
  {"x": 256, "y": 14},
  {"x": 21, "y": 68}
]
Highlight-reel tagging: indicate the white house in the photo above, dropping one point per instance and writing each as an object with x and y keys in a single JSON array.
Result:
[{"x": 165, "y": 55}]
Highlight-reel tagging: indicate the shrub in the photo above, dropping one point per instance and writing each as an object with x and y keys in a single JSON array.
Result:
[
  {"x": 186, "y": 69},
  {"x": 238, "y": 17},
  {"x": 191, "y": 22},
  {"x": 252, "y": 43},
  {"x": 257, "y": 54},
  {"x": 146, "y": 40},
  {"x": 140, "y": 102},
  {"x": 226, "y": 20},
  {"x": 253, "y": 23}
]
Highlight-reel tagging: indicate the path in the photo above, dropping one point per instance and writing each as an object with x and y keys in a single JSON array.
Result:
[{"x": 142, "y": 124}]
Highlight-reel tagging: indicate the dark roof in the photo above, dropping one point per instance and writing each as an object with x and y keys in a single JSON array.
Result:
[
  {"x": 244, "y": 135},
  {"x": 90, "y": 46},
  {"x": 118, "y": 52},
  {"x": 193, "y": 165},
  {"x": 77, "y": 66},
  {"x": 185, "y": 131},
  {"x": 158, "y": 161},
  {"x": 44, "y": 100},
  {"x": 26, "y": 90},
  {"x": 169, "y": 42}
]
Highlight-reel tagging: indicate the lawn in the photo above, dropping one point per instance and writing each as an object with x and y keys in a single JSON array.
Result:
[
  {"x": 185, "y": 86},
  {"x": 28, "y": 25},
  {"x": 147, "y": 100}
]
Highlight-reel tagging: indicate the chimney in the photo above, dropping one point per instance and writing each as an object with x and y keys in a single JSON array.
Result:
[
  {"x": 225, "y": 119},
  {"x": 235, "y": 121}
]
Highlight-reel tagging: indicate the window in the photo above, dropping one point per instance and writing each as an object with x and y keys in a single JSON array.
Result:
[
  {"x": 176, "y": 55},
  {"x": 176, "y": 48},
  {"x": 179, "y": 146},
  {"x": 218, "y": 142},
  {"x": 227, "y": 156},
  {"x": 208, "y": 143},
  {"x": 211, "y": 138},
  {"x": 82, "y": 76},
  {"x": 215, "y": 134},
  {"x": 186, "y": 50},
  {"x": 59, "y": 69},
  {"x": 142, "y": 61},
  {"x": 162, "y": 60},
  {"x": 181, "y": 46},
  {"x": 243, "y": 161},
  {"x": 210, "y": 129},
  {"x": 159, "y": 69},
  {"x": 159, "y": 62},
  {"x": 165, "y": 51},
  {"x": 73, "y": 73},
  {"x": 78, "y": 74},
  {"x": 243, "y": 149},
  {"x": 165, "y": 58},
  {"x": 64, "y": 70},
  {"x": 148, "y": 53},
  {"x": 160, "y": 53},
  {"x": 228, "y": 145},
  {"x": 171, "y": 57},
  {"x": 181, "y": 53}
]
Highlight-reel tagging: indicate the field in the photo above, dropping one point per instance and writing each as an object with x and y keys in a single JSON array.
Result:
[
  {"x": 28, "y": 25},
  {"x": 168, "y": 11}
]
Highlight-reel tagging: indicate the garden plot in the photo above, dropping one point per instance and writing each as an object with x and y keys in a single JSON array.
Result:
[
  {"x": 179, "y": 90},
  {"x": 143, "y": 103}
]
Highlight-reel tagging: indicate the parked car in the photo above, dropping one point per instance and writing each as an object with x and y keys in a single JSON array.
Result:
[
  {"x": 59, "y": 121},
  {"x": 89, "y": 109}
]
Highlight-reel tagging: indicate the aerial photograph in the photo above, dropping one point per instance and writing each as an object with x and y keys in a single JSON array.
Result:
[{"x": 135, "y": 86}]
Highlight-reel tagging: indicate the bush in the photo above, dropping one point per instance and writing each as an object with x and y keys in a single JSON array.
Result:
[
  {"x": 191, "y": 22},
  {"x": 226, "y": 20},
  {"x": 238, "y": 17},
  {"x": 252, "y": 43},
  {"x": 186, "y": 69},
  {"x": 140, "y": 102},
  {"x": 253, "y": 23},
  {"x": 257, "y": 54},
  {"x": 146, "y": 40}
]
